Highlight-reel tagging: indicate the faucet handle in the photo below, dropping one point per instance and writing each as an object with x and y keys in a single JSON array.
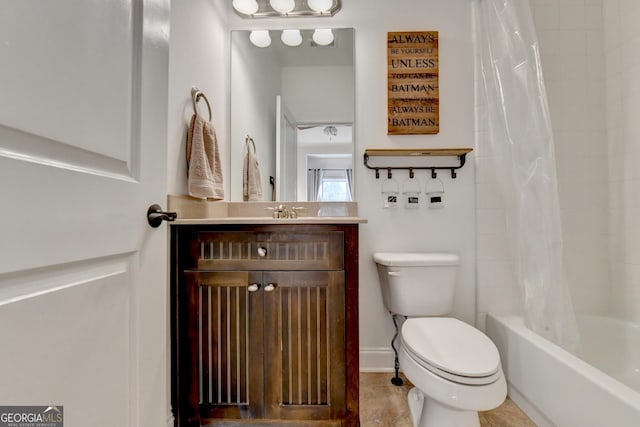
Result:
[
  {"x": 279, "y": 211},
  {"x": 295, "y": 209}
]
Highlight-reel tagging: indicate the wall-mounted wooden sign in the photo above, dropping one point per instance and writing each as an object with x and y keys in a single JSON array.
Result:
[{"x": 412, "y": 83}]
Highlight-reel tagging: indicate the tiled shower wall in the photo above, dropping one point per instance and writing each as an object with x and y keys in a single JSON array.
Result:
[
  {"x": 622, "y": 52},
  {"x": 571, "y": 43}
]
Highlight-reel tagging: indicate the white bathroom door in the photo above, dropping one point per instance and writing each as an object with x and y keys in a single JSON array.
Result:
[{"x": 83, "y": 143}]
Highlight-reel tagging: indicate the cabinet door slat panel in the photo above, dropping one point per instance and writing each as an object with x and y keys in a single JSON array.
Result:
[
  {"x": 223, "y": 351},
  {"x": 235, "y": 250},
  {"x": 302, "y": 313}
]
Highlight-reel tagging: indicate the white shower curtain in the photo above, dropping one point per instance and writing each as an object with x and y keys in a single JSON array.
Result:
[{"x": 521, "y": 142}]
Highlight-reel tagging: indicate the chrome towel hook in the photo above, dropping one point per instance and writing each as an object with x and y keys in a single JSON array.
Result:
[
  {"x": 248, "y": 140},
  {"x": 196, "y": 94}
]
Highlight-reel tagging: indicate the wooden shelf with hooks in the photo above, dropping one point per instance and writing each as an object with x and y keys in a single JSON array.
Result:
[
  {"x": 410, "y": 152},
  {"x": 460, "y": 153}
]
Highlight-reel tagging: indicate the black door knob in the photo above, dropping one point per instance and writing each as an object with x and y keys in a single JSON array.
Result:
[{"x": 155, "y": 216}]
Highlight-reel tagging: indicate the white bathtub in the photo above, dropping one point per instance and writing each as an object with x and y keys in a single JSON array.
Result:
[{"x": 556, "y": 388}]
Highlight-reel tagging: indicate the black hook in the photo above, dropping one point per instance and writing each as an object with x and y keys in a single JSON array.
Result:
[
  {"x": 377, "y": 173},
  {"x": 453, "y": 174},
  {"x": 434, "y": 174},
  {"x": 389, "y": 175},
  {"x": 411, "y": 173}
]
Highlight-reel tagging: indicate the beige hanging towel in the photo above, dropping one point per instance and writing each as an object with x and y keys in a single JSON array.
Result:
[
  {"x": 204, "y": 169},
  {"x": 251, "y": 181}
]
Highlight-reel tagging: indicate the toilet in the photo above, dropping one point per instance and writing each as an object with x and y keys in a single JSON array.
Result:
[{"x": 454, "y": 367}]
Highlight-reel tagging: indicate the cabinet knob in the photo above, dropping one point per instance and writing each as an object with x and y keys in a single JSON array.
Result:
[
  {"x": 262, "y": 251},
  {"x": 270, "y": 287},
  {"x": 253, "y": 287}
]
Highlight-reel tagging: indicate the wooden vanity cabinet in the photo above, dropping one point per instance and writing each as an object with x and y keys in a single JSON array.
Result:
[{"x": 264, "y": 325}]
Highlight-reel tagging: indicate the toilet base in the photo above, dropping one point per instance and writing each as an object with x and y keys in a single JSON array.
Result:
[{"x": 427, "y": 412}]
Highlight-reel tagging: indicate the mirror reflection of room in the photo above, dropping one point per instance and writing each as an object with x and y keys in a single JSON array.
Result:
[
  {"x": 297, "y": 104},
  {"x": 327, "y": 152}
]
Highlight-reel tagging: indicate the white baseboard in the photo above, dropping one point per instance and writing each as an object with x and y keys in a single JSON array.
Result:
[{"x": 376, "y": 360}]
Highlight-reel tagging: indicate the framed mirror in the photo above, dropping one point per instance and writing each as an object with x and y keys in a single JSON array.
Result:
[{"x": 292, "y": 109}]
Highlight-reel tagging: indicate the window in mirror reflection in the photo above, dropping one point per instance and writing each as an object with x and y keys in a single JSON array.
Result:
[
  {"x": 330, "y": 178},
  {"x": 334, "y": 185}
]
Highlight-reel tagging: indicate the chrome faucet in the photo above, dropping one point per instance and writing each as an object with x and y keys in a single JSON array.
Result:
[{"x": 281, "y": 211}]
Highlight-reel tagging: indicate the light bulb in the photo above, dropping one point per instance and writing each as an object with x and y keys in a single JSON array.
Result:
[
  {"x": 248, "y": 7},
  {"x": 260, "y": 38},
  {"x": 291, "y": 37},
  {"x": 283, "y": 6},
  {"x": 320, "y": 5},
  {"x": 323, "y": 36}
]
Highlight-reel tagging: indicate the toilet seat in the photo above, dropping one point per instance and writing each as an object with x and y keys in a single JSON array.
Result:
[{"x": 452, "y": 350}]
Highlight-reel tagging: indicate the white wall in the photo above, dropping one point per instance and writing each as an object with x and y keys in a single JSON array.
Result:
[
  {"x": 622, "y": 49},
  {"x": 329, "y": 99},
  {"x": 199, "y": 56},
  {"x": 571, "y": 44}
]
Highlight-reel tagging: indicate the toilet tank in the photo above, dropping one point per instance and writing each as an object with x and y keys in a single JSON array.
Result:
[{"x": 417, "y": 284}]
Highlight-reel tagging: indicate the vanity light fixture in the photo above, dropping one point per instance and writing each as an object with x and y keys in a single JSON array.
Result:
[
  {"x": 246, "y": 7},
  {"x": 291, "y": 37},
  {"x": 320, "y": 5},
  {"x": 260, "y": 38},
  {"x": 323, "y": 36},
  {"x": 282, "y": 6},
  {"x": 285, "y": 8}
]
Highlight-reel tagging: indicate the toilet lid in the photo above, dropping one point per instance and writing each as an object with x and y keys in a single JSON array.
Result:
[
  {"x": 452, "y": 349},
  {"x": 415, "y": 259}
]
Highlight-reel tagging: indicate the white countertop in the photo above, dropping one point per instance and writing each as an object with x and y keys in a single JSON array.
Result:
[
  {"x": 196, "y": 211},
  {"x": 271, "y": 221}
]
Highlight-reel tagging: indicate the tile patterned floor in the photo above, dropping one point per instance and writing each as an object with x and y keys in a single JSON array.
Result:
[{"x": 384, "y": 405}]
